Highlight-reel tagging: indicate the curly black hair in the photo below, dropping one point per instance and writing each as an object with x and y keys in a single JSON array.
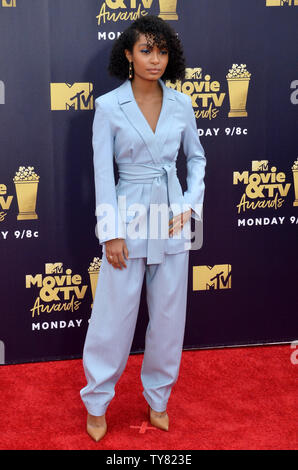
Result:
[{"x": 163, "y": 36}]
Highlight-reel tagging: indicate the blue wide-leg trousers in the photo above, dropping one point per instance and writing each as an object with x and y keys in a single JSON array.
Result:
[{"x": 112, "y": 325}]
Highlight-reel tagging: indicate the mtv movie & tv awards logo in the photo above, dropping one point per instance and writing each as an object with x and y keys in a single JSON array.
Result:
[
  {"x": 125, "y": 10},
  {"x": 265, "y": 187},
  {"x": 118, "y": 11},
  {"x": 208, "y": 94},
  {"x": 60, "y": 294}
]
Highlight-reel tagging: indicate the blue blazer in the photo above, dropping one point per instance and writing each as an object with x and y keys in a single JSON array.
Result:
[{"x": 146, "y": 164}]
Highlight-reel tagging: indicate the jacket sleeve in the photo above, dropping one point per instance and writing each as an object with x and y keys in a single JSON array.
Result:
[
  {"x": 109, "y": 222},
  {"x": 196, "y": 162}
]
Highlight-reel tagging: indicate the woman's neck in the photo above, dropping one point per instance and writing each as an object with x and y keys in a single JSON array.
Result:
[{"x": 145, "y": 89}]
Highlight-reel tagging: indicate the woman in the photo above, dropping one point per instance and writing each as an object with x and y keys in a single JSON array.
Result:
[{"x": 143, "y": 124}]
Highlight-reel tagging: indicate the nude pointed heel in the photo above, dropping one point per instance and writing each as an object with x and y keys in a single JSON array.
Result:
[
  {"x": 161, "y": 422},
  {"x": 97, "y": 432}
]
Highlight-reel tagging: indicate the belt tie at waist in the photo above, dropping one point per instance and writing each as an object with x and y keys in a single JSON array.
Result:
[{"x": 150, "y": 173}]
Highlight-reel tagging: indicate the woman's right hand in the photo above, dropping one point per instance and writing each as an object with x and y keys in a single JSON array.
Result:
[{"x": 116, "y": 250}]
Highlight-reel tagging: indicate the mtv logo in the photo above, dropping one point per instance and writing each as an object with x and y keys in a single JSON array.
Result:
[
  {"x": 77, "y": 96},
  {"x": 2, "y": 93},
  {"x": 193, "y": 73},
  {"x": 8, "y": 3},
  {"x": 212, "y": 277},
  {"x": 54, "y": 268},
  {"x": 281, "y": 3},
  {"x": 259, "y": 165}
]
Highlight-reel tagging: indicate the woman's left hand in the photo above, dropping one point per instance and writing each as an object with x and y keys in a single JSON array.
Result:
[{"x": 178, "y": 221}]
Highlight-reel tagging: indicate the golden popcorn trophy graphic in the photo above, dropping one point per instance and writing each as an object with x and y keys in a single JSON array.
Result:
[
  {"x": 93, "y": 274},
  {"x": 295, "y": 177},
  {"x": 212, "y": 277},
  {"x": 238, "y": 81},
  {"x": 26, "y": 184},
  {"x": 168, "y": 9}
]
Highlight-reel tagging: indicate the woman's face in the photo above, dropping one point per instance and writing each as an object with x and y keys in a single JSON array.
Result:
[{"x": 149, "y": 62}]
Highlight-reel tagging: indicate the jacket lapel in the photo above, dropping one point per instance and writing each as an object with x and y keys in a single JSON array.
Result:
[{"x": 154, "y": 141}]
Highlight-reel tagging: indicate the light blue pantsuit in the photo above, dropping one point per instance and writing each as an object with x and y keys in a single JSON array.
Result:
[
  {"x": 146, "y": 163},
  {"x": 112, "y": 325}
]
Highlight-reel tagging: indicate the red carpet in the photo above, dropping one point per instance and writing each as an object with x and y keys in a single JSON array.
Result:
[{"x": 234, "y": 398}]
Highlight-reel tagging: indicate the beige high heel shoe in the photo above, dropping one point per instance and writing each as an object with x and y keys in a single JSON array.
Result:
[
  {"x": 162, "y": 421},
  {"x": 96, "y": 431}
]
